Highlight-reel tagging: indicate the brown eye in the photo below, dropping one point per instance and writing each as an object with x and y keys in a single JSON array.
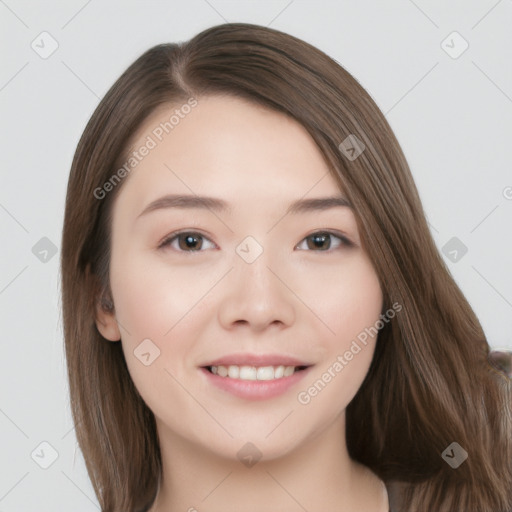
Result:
[
  {"x": 186, "y": 241},
  {"x": 319, "y": 241},
  {"x": 323, "y": 241}
]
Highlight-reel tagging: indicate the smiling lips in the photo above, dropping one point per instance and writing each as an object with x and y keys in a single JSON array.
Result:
[
  {"x": 255, "y": 376},
  {"x": 255, "y": 367},
  {"x": 254, "y": 372}
]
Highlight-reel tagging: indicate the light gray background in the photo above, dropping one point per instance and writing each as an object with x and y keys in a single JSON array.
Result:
[{"x": 452, "y": 116}]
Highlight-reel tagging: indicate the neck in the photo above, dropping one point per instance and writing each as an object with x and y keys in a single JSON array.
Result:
[{"x": 317, "y": 475}]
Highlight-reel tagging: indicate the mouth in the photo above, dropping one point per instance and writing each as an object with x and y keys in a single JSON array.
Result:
[{"x": 252, "y": 373}]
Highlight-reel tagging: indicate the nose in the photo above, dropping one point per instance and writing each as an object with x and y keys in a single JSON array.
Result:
[{"x": 257, "y": 296}]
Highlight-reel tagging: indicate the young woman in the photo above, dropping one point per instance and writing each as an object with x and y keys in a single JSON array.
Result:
[{"x": 256, "y": 316}]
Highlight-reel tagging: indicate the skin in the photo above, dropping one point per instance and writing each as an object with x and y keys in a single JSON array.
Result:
[{"x": 195, "y": 306}]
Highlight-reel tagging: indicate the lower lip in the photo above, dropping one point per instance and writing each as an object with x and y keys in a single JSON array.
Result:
[{"x": 255, "y": 389}]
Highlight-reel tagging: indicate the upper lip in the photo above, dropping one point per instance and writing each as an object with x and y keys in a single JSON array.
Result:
[{"x": 257, "y": 360}]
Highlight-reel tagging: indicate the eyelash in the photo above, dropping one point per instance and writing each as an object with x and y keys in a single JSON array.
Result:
[{"x": 344, "y": 241}]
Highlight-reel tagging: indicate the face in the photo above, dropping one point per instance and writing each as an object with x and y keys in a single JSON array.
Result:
[{"x": 246, "y": 284}]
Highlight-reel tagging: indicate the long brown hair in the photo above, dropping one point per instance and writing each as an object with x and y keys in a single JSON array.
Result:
[{"x": 429, "y": 384}]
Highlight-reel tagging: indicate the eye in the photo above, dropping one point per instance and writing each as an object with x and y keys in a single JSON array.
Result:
[
  {"x": 322, "y": 241},
  {"x": 192, "y": 241},
  {"x": 185, "y": 241}
]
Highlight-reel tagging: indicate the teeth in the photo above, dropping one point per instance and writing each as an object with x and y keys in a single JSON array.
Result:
[
  {"x": 253, "y": 372},
  {"x": 265, "y": 373},
  {"x": 278, "y": 372},
  {"x": 233, "y": 372},
  {"x": 289, "y": 371},
  {"x": 248, "y": 373}
]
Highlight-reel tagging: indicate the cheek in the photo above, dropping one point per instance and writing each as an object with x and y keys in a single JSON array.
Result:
[
  {"x": 347, "y": 299},
  {"x": 152, "y": 298},
  {"x": 169, "y": 306},
  {"x": 349, "y": 303},
  {"x": 152, "y": 305},
  {"x": 141, "y": 306}
]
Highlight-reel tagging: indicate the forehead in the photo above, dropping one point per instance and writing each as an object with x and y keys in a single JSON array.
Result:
[{"x": 226, "y": 147}]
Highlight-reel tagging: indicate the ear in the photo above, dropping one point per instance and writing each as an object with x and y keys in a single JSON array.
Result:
[{"x": 106, "y": 322}]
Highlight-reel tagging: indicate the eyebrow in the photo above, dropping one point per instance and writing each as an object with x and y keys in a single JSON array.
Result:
[{"x": 219, "y": 205}]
